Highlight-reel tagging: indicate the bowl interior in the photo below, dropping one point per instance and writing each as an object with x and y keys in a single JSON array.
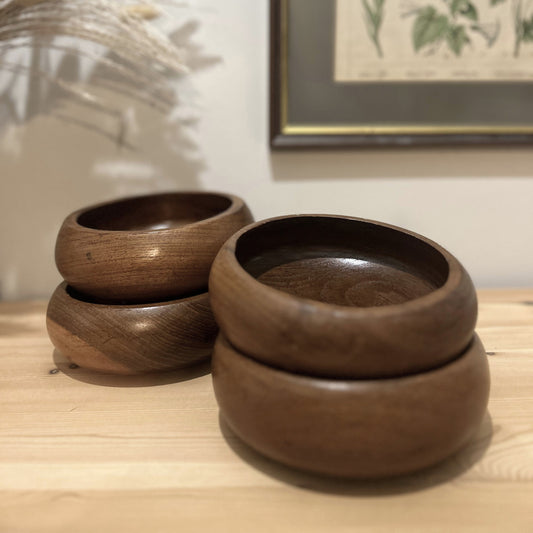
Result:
[
  {"x": 156, "y": 212},
  {"x": 341, "y": 261}
]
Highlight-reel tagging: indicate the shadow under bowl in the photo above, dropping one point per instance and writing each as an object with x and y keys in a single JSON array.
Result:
[
  {"x": 341, "y": 297},
  {"x": 147, "y": 248},
  {"x": 131, "y": 339},
  {"x": 364, "y": 429}
]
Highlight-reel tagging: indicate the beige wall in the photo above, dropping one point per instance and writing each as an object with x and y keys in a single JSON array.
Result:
[{"x": 477, "y": 203}]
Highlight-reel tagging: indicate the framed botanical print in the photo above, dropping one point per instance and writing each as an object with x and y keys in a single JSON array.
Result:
[{"x": 401, "y": 72}]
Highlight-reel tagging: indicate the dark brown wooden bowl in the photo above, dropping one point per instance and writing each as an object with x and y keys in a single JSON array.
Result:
[
  {"x": 352, "y": 428},
  {"x": 147, "y": 248},
  {"x": 131, "y": 339},
  {"x": 341, "y": 297}
]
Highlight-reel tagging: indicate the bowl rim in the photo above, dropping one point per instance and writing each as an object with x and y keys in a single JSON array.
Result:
[
  {"x": 455, "y": 275},
  {"x": 64, "y": 286},
  {"x": 236, "y": 204}
]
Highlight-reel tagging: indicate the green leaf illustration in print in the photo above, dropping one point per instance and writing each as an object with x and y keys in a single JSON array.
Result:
[
  {"x": 523, "y": 26},
  {"x": 527, "y": 31},
  {"x": 457, "y": 38},
  {"x": 465, "y": 8},
  {"x": 430, "y": 27},
  {"x": 374, "y": 15},
  {"x": 452, "y": 28},
  {"x": 496, "y": 2},
  {"x": 490, "y": 31}
]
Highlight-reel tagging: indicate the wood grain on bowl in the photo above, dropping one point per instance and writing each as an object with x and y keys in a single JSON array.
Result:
[
  {"x": 131, "y": 339},
  {"x": 147, "y": 248},
  {"x": 352, "y": 428},
  {"x": 341, "y": 297}
]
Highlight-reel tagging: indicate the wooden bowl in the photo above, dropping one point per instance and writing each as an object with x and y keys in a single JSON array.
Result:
[
  {"x": 341, "y": 297},
  {"x": 352, "y": 428},
  {"x": 147, "y": 248},
  {"x": 131, "y": 339}
]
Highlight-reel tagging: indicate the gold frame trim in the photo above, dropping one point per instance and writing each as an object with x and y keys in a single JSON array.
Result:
[
  {"x": 295, "y": 129},
  {"x": 366, "y": 129}
]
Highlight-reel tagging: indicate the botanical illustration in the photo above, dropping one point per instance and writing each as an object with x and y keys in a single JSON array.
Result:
[
  {"x": 523, "y": 24},
  {"x": 434, "y": 39},
  {"x": 453, "y": 26},
  {"x": 374, "y": 13}
]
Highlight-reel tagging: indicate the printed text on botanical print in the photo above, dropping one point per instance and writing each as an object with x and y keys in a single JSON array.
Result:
[{"x": 435, "y": 40}]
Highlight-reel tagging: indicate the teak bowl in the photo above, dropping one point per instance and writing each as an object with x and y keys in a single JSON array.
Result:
[
  {"x": 147, "y": 248},
  {"x": 341, "y": 297},
  {"x": 352, "y": 428},
  {"x": 131, "y": 339}
]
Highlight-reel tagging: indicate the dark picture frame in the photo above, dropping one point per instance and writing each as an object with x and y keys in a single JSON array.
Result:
[{"x": 308, "y": 109}]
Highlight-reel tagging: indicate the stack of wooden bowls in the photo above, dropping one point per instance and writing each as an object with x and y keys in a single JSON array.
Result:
[
  {"x": 135, "y": 299},
  {"x": 347, "y": 347}
]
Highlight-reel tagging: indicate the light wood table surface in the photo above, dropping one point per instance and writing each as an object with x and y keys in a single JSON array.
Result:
[{"x": 81, "y": 452}]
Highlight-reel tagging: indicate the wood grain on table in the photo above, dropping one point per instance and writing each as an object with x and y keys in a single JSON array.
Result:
[{"x": 91, "y": 453}]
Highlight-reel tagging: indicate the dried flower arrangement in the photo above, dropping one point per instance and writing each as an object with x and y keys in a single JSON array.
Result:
[{"x": 137, "y": 51}]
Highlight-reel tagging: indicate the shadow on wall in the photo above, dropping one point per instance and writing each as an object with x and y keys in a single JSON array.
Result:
[
  {"x": 453, "y": 162},
  {"x": 62, "y": 155}
]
